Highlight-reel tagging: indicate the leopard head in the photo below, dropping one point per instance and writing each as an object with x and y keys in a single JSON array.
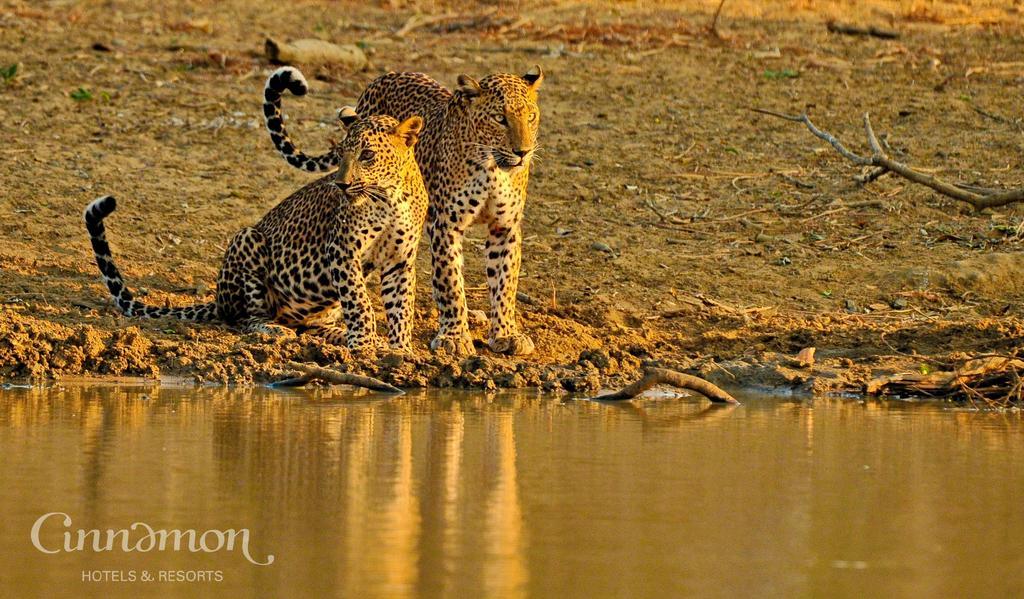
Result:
[
  {"x": 374, "y": 154},
  {"x": 504, "y": 115}
]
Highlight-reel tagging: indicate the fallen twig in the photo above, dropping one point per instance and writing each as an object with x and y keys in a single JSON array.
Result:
[
  {"x": 796, "y": 182},
  {"x": 416, "y": 21},
  {"x": 658, "y": 376},
  {"x": 654, "y": 208},
  {"x": 450, "y": 23},
  {"x": 871, "y": 175},
  {"x": 878, "y": 158},
  {"x": 713, "y": 26},
  {"x": 823, "y": 214},
  {"x": 865, "y": 204},
  {"x": 312, "y": 372}
]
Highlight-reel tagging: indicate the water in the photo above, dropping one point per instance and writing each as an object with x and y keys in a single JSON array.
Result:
[{"x": 463, "y": 495}]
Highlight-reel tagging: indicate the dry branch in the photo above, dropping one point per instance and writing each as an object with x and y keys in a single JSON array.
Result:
[
  {"x": 979, "y": 197},
  {"x": 312, "y": 372},
  {"x": 450, "y": 23},
  {"x": 416, "y": 21},
  {"x": 658, "y": 376},
  {"x": 987, "y": 381},
  {"x": 713, "y": 26}
]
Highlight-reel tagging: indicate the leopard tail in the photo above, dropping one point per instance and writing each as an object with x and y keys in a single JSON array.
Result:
[
  {"x": 95, "y": 212},
  {"x": 291, "y": 79}
]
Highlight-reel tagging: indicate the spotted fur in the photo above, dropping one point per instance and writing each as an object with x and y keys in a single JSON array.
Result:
[
  {"x": 475, "y": 155},
  {"x": 303, "y": 263}
]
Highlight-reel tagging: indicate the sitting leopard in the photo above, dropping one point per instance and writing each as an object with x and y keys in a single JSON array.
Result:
[
  {"x": 304, "y": 261},
  {"x": 475, "y": 154}
]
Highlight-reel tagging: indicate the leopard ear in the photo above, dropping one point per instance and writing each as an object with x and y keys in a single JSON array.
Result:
[
  {"x": 347, "y": 116},
  {"x": 468, "y": 87},
  {"x": 409, "y": 130},
  {"x": 534, "y": 77}
]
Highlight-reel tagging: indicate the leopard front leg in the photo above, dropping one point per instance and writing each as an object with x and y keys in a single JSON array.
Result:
[
  {"x": 448, "y": 286},
  {"x": 356, "y": 310},
  {"x": 398, "y": 292},
  {"x": 504, "y": 252}
]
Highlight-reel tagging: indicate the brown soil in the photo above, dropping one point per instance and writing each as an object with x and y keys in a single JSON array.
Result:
[{"x": 666, "y": 222}]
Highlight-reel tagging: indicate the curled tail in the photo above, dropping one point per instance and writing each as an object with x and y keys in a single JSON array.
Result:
[
  {"x": 291, "y": 79},
  {"x": 95, "y": 212}
]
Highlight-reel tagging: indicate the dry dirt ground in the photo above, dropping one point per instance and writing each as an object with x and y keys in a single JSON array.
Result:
[{"x": 666, "y": 222}]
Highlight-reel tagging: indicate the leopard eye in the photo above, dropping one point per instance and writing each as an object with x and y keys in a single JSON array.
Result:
[
  {"x": 501, "y": 120},
  {"x": 533, "y": 117},
  {"x": 366, "y": 156}
]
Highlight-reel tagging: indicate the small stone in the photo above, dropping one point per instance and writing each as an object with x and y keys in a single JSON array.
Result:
[
  {"x": 806, "y": 357},
  {"x": 850, "y": 306},
  {"x": 898, "y": 303}
]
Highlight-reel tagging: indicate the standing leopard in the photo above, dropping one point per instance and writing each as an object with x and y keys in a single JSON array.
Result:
[
  {"x": 304, "y": 261},
  {"x": 475, "y": 152}
]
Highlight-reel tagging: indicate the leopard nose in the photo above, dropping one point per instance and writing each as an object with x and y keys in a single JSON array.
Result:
[
  {"x": 344, "y": 185},
  {"x": 521, "y": 153}
]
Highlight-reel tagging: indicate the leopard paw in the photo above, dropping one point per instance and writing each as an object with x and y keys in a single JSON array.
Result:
[
  {"x": 516, "y": 344},
  {"x": 400, "y": 348},
  {"x": 366, "y": 343},
  {"x": 270, "y": 329},
  {"x": 458, "y": 343}
]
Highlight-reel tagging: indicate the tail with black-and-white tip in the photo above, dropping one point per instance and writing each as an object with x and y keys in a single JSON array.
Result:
[
  {"x": 289, "y": 78},
  {"x": 95, "y": 212}
]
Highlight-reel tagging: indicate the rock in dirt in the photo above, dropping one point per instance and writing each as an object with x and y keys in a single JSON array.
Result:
[
  {"x": 805, "y": 358},
  {"x": 315, "y": 52}
]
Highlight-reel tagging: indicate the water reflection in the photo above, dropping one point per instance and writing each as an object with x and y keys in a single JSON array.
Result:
[{"x": 514, "y": 495}]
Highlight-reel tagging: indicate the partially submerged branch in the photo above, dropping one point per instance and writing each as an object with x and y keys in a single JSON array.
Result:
[
  {"x": 986, "y": 381},
  {"x": 312, "y": 372},
  {"x": 658, "y": 376},
  {"x": 979, "y": 197}
]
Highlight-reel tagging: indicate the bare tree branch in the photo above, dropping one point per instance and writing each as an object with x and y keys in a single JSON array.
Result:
[
  {"x": 872, "y": 175},
  {"x": 311, "y": 372},
  {"x": 657, "y": 376},
  {"x": 979, "y": 197},
  {"x": 803, "y": 118}
]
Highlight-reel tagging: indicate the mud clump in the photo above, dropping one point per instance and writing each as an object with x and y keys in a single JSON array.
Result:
[{"x": 31, "y": 348}]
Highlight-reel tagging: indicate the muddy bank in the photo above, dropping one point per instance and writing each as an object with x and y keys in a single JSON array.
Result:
[{"x": 574, "y": 357}]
